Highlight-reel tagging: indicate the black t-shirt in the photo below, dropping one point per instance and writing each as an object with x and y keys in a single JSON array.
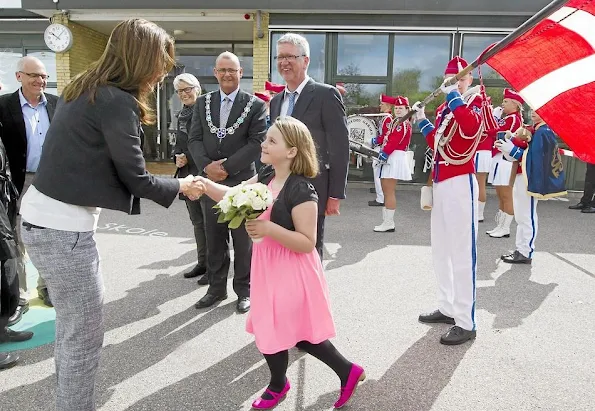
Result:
[{"x": 297, "y": 190}]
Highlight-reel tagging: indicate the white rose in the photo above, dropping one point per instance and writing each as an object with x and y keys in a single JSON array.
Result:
[
  {"x": 258, "y": 204},
  {"x": 251, "y": 194},
  {"x": 225, "y": 205},
  {"x": 240, "y": 199}
]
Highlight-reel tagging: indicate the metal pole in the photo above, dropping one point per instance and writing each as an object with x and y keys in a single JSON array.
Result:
[{"x": 505, "y": 42}]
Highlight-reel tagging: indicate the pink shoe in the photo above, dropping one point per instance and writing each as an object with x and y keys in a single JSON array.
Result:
[
  {"x": 262, "y": 404},
  {"x": 356, "y": 375}
]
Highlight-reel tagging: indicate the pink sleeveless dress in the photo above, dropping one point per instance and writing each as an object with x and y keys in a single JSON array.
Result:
[{"x": 288, "y": 296}]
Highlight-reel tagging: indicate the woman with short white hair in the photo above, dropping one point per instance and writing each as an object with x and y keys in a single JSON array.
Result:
[{"x": 188, "y": 89}]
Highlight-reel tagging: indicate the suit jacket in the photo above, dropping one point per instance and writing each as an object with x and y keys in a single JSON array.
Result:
[
  {"x": 92, "y": 155},
  {"x": 320, "y": 107},
  {"x": 15, "y": 134},
  {"x": 181, "y": 147},
  {"x": 241, "y": 148}
]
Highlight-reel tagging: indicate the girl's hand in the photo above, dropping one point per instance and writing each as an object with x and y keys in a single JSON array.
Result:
[{"x": 258, "y": 228}]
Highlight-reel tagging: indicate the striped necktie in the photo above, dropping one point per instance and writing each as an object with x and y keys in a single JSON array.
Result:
[{"x": 291, "y": 105}]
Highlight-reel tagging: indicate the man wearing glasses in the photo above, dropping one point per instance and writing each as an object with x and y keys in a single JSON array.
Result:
[
  {"x": 227, "y": 129},
  {"x": 320, "y": 107},
  {"x": 26, "y": 115}
]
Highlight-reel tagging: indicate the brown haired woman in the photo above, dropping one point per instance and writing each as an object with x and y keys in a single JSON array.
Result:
[
  {"x": 92, "y": 159},
  {"x": 289, "y": 295}
]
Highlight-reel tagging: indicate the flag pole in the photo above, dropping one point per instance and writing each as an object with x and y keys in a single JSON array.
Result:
[{"x": 485, "y": 56}]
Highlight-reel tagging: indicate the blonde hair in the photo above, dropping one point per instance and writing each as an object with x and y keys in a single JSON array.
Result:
[
  {"x": 137, "y": 55},
  {"x": 296, "y": 134}
]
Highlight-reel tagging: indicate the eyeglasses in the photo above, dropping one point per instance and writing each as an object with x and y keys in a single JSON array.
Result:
[
  {"x": 290, "y": 58},
  {"x": 186, "y": 90},
  {"x": 228, "y": 71},
  {"x": 35, "y": 75}
]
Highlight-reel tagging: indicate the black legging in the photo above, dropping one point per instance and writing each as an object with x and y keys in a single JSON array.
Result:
[{"x": 325, "y": 352}]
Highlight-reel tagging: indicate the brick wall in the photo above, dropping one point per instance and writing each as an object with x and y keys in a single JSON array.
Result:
[
  {"x": 87, "y": 47},
  {"x": 261, "y": 54}
]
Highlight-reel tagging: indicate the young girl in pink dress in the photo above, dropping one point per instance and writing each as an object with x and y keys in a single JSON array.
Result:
[{"x": 288, "y": 292}]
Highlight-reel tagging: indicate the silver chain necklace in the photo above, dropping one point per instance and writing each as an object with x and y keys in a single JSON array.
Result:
[{"x": 221, "y": 132}]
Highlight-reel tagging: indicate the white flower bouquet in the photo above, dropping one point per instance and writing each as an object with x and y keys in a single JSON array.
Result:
[{"x": 243, "y": 202}]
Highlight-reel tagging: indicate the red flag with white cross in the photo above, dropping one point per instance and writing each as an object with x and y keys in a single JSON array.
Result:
[{"x": 552, "y": 66}]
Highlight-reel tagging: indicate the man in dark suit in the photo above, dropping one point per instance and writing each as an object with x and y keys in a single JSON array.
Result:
[
  {"x": 26, "y": 115},
  {"x": 320, "y": 107},
  {"x": 227, "y": 129}
]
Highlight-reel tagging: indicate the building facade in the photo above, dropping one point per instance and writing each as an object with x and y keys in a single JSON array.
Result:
[{"x": 393, "y": 47}]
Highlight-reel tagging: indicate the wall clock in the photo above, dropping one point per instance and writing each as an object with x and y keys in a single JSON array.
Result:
[{"x": 58, "y": 38}]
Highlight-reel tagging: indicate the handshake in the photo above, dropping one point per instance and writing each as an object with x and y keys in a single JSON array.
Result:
[{"x": 193, "y": 187}]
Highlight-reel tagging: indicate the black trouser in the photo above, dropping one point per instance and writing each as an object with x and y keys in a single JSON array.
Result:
[
  {"x": 588, "y": 197},
  {"x": 197, "y": 218},
  {"x": 218, "y": 259},
  {"x": 9, "y": 291},
  {"x": 320, "y": 236},
  {"x": 325, "y": 352}
]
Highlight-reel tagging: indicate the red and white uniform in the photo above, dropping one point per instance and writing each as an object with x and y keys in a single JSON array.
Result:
[
  {"x": 455, "y": 207},
  {"x": 382, "y": 130},
  {"x": 395, "y": 144},
  {"x": 483, "y": 155},
  {"x": 501, "y": 167}
]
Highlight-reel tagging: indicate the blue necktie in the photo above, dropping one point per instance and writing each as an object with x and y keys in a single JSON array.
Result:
[{"x": 291, "y": 104}]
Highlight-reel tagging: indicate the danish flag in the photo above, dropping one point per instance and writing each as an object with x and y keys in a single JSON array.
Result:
[{"x": 553, "y": 68}]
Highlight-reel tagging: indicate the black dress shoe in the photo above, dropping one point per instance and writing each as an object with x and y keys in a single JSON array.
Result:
[
  {"x": 578, "y": 206},
  {"x": 44, "y": 296},
  {"x": 196, "y": 271},
  {"x": 209, "y": 299},
  {"x": 7, "y": 360},
  {"x": 204, "y": 280},
  {"x": 516, "y": 258},
  {"x": 588, "y": 210},
  {"x": 375, "y": 203},
  {"x": 456, "y": 335},
  {"x": 18, "y": 314},
  {"x": 10, "y": 336},
  {"x": 243, "y": 305},
  {"x": 436, "y": 317}
]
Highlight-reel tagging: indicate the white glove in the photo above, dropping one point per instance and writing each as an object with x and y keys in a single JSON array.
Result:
[
  {"x": 419, "y": 112},
  {"x": 498, "y": 112},
  {"x": 445, "y": 88},
  {"x": 505, "y": 146}
]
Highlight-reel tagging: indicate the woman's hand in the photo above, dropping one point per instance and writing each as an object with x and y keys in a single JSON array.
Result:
[{"x": 258, "y": 228}]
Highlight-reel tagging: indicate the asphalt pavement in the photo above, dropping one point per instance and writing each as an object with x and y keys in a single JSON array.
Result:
[{"x": 534, "y": 349}]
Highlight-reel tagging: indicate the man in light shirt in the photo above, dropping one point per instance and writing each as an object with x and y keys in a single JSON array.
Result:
[{"x": 26, "y": 115}]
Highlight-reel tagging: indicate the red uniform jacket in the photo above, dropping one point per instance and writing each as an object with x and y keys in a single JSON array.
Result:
[
  {"x": 511, "y": 122},
  {"x": 399, "y": 139},
  {"x": 468, "y": 120}
]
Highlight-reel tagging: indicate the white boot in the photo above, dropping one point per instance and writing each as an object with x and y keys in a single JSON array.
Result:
[
  {"x": 504, "y": 229},
  {"x": 482, "y": 206},
  {"x": 388, "y": 222},
  {"x": 499, "y": 220}
]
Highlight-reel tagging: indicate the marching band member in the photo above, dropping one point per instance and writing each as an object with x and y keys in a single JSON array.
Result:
[
  {"x": 541, "y": 175},
  {"x": 483, "y": 164},
  {"x": 394, "y": 144},
  {"x": 511, "y": 120},
  {"x": 386, "y": 107},
  {"x": 454, "y": 137}
]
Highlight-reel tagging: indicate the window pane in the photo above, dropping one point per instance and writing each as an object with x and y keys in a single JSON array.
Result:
[
  {"x": 317, "y": 52},
  {"x": 363, "y": 98},
  {"x": 418, "y": 66},
  {"x": 474, "y": 45},
  {"x": 48, "y": 58},
  {"x": 362, "y": 55},
  {"x": 8, "y": 66},
  {"x": 245, "y": 54}
]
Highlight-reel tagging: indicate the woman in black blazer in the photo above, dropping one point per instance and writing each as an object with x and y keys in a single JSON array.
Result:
[{"x": 92, "y": 159}]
